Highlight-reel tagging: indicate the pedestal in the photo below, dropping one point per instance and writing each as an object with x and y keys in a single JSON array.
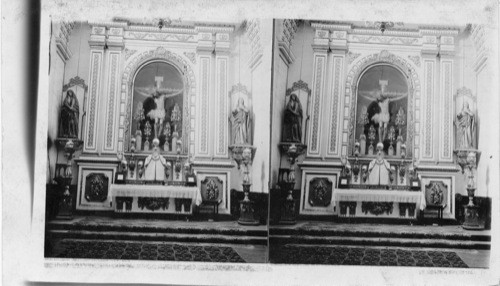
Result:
[
  {"x": 65, "y": 211},
  {"x": 471, "y": 221},
  {"x": 288, "y": 212},
  {"x": 247, "y": 213}
]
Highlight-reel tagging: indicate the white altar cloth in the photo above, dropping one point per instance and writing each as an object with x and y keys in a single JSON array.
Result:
[
  {"x": 373, "y": 195},
  {"x": 156, "y": 191}
]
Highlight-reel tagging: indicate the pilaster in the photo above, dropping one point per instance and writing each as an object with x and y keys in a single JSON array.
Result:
[
  {"x": 320, "y": 59},
  {"x": 429, "y": 53},
  {"x": 113, "y": 54},
  {"x": 222, "y": 47},
  {"x": 338, "y": 48},
  {"x": 205, "y": 50},
  {"x": 97, "y": 42},
  {"x": 446, "y": 71}
]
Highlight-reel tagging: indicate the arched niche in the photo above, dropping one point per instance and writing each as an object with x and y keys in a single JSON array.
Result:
[
  {"x": 396, "y": 65},
  {"x": 134, "y": 66}
]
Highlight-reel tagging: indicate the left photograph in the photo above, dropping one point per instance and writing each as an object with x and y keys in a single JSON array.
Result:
[{"x": 152, "y": 152}]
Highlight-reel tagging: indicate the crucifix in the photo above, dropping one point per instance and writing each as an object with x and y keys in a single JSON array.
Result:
[
  {"x": 383, "y": 98},
  {"x": 158, "y": 94},
  {"x": 158, "y": 80}
]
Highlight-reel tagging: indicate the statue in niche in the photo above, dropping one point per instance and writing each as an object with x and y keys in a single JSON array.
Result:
[
  {"x": 155, "y": 165},
  {"x": 70, "y": 115},
  {"x": 241, "y": 122},
  {"x": 466, "y": 127},
  {"x": 293, "y": 120},
  {"x": 383, "y": 98},
  {"x": 154, "y": 104},
  {"x": 379, "y": 168}
]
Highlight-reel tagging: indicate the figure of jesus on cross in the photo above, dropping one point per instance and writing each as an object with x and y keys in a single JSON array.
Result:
[
  {"x": 158, "y": 94},
  {"x": 383, "y": 98}
]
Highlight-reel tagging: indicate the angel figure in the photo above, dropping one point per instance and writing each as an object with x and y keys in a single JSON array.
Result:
[
  {"x": 383, "y": 98},
  {"x": 154, "y": 104}
]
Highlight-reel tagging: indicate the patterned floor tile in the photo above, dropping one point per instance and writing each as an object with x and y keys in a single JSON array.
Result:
[{"x": 335, "y": 255}]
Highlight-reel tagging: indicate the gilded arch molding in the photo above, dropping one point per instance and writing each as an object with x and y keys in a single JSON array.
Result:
[
  {"x": 352, "y": 79},
  {"x": 133, "y": 66}
]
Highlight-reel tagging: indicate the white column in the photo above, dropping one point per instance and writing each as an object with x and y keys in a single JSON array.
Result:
[
  {"x": 96, "y": 42},
  {"x": 320, "y": 47},
  {"x": 113, "y": 55}
]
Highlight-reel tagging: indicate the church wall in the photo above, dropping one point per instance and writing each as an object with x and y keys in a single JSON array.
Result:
[
  {"x": 214, "y": 59},
  {"x": 261, "y": 90},
  {"x": 280, "y": 73},
  {"x": 57, "y": 64},
  {"x": 300, "y": 69},
  {"x": 436, "y": 63}
]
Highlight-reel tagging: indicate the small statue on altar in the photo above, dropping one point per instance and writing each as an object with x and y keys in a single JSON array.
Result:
[
  {"x": 293, "y": 120},
  {"x": 70, "y": 115},
  {"x": 379, "y": 168},
  {"x": 466, "y": 128},
  {"x": 156, "y": 166},
  {"x": 241, "y": 122}
]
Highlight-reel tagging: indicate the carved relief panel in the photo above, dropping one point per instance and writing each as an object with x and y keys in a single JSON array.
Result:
[
  {"x": 211, "y": 189},
  {"x": 320, "y": 192},
  {"x": 96, "y": 187},
  {"x": 438, "y": 190},
  {"x": 317, "y": 190},
  {"x": 94, "y": 182},
  {"x": 436, "y": 193},
  {"x": 214, "y": 185}
]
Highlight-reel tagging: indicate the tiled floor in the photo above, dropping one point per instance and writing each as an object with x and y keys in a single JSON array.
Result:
[
  {"x": 344, "y": 255},
  {"x": 134, "y": 250}
]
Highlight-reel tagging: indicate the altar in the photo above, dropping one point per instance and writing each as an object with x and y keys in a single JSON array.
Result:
[
  {"x": 377, "y": 203},
  {"x": 151, "y": 118},
  {"x": 154, "y": 198},
  {"x": 372, "y": 124}
]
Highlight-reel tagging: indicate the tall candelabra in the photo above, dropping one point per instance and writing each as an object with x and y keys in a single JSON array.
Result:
[
  {"x": 467, "y": 160},
  {"x": 288, "y": 183},
  {"x": 243, "y": 155},
  {"x": 66, "y": 203}
]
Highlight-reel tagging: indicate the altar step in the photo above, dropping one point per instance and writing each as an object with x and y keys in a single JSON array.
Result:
[
  {"x": 381, "y": 235},
  {"x": 163, "y": 237},
  {"x": 157, "y": 230}
]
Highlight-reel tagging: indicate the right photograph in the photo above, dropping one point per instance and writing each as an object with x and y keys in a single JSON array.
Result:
[{"x": 382, "y": 151}]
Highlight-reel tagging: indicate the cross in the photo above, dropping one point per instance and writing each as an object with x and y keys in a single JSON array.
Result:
[
  {"x": 159, "y": 80},
  {"x": 383, "y": 85}
]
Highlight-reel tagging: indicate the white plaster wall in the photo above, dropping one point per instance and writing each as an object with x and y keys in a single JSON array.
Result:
[
  {"x": 261, "y": 90},
  {"x": 239, "y": 72},
  {"x": 56, "y": 77},
  {"x": 488, "y": 141},
  {"x": 278, "y": 99},
  {"x": 300, "y": 69}
]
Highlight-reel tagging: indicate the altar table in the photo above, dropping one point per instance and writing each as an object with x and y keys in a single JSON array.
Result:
[
  {"x": 154, "y": 198},
  {"x": 377, "y": 203}
]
